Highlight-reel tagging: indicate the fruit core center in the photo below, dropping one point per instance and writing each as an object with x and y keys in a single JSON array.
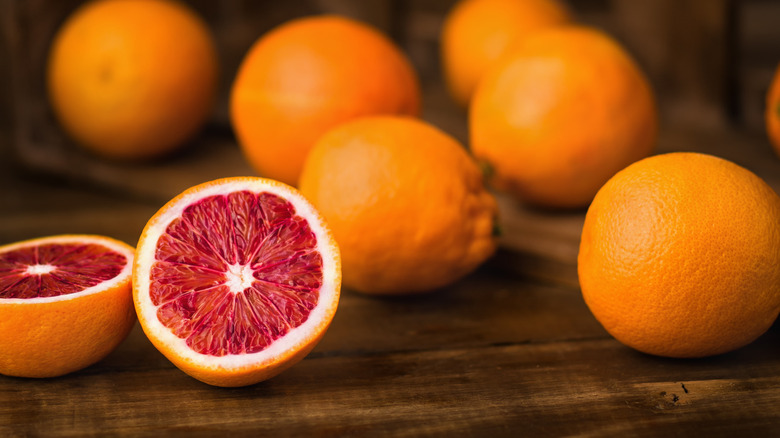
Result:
[
  {"x": 39, "y": 269},
  {"x": 239, "y": 277}
]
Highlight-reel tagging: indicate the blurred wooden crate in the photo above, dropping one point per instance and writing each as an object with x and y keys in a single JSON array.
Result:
[{"x": 710, "y": 62}]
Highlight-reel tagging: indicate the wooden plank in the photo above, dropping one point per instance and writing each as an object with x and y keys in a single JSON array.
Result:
[
  {"x": 489, "y": 307},
  {"x": 586, "y": 388}
]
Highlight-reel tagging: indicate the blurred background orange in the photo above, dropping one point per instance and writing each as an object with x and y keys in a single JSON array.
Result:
[{"x": 710, "y": 63}]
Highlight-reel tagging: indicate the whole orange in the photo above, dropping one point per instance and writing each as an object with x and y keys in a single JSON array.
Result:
[
  {"x": 405, "y": 201},
  {"x": 680, "y": 256},
  {"x": 561, "y": 115},
  {"x": 132, "y": 79},
  {"x": 476, "y": 33},
  {"x": 307, "y": 76},
  {"x": 772, "y": 112}
]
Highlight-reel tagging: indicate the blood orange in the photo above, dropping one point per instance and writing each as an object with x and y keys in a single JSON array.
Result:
[
  {"x": 65, "y": 303},
  {"x": 236, "y": 279}
]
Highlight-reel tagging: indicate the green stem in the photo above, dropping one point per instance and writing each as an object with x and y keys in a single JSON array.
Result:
[{"x": 487, "y": 170}]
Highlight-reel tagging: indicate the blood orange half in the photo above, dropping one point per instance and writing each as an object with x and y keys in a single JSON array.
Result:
[
  {"x": 236, "y": 279},
  {"x": 65, "y": 303}
]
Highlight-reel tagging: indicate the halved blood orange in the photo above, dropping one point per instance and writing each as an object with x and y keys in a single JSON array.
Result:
[
  {"x": 236, "y": 280},
  {"x": 65, "y": 303}
]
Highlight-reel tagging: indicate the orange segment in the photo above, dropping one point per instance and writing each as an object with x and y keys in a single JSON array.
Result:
[
  {"x": 65, "y": 303},
  {"x": 236, "y": 280}
]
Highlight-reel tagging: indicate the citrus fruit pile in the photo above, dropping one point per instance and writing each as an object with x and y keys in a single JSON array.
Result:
[
  {"x": 237, "y": 279},
  {"x": 555, "y": 108},
  {"x": 405, "y": 200}
]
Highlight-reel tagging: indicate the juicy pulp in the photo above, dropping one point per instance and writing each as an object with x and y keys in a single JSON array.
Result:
[
  {"x": 235, "y": 272},
  {"x": 55, "y": 269}
]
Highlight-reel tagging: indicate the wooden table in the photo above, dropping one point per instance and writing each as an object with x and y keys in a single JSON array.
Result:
[{"x": 511, "y": 350}]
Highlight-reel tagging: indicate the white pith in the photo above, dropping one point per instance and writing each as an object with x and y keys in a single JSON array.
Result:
[
  {"x": 239, "y": 277},
  {"x": 118, "y": 247},
  {"x": 39, "y": 269},
  {"x": 321, "y": 314}
]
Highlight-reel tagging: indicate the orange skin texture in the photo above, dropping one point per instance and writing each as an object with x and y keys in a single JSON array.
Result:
[
  {"x": 476, "y": 33},
  {"x": 561, "y": 115},
  {"x": 307, "y": 76},
  {"x": 405, "y": 201},
  {"x": 679, "y": 256},
  {"x": 772, "y": 113},
  {"x": 57, "y": 338},
  {"x": 251, "y": 373},
  {"x": 132, "y": 79}
]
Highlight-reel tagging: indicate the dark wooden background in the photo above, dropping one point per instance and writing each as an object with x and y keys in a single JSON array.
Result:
[{"x": 510, "y": 350}]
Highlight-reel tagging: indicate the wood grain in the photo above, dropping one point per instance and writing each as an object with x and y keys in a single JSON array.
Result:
[{"x": 590, "y": 387}]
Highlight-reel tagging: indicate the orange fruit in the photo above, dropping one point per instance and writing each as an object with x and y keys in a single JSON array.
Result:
[
  {"x": 236, "y": 280},
  {"x": 476, "y": 33},
  {"x": 307, "y": 76},
  {"x": 65, "y": 303},
  {"x": 405, "y": 201},
  {"x": 132, "y": 79},
  {"x": 680, "y": 256},
  {"x": 772, "y": 112},
  {"x": 561, "y": 115}
]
